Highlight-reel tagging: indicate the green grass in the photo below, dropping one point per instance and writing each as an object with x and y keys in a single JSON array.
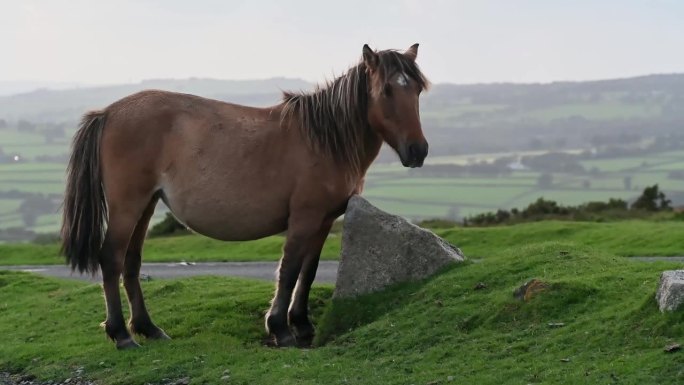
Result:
[
  {"x": 623, "y": 238},
  {"x": 419, "y": 333}
]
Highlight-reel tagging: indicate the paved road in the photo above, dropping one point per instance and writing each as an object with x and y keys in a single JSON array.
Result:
[
  {"x": 327, "y": 270},
  {"x": 657, "y": 259}
]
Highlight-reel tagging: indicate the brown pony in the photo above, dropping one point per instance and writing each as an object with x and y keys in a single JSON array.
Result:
[{"x": 232, "y": 172}]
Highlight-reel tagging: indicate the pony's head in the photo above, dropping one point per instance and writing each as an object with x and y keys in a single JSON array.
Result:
[{"x": 395, "y": 83}]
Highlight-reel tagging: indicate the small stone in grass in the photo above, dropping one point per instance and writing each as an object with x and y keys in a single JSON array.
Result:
[
  {"x": 529, "y": 289},
  {"x": 673, "y": 348},
  {"x": 480, "y": 286},
  {"x": 670, "y": 294}
]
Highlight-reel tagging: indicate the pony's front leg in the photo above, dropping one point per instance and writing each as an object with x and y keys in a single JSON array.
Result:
[
  {"x": 301, "y": 241},
  {"x": 298, "y": 314}
]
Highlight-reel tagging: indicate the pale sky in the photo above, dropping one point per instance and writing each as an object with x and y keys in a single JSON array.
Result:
[{"x": 461, "y": 41}]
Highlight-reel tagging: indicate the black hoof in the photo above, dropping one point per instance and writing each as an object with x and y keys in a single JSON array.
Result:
[
  {"x": 154, "y": 333},
  {"x": 304, "y": 335},
  {"x": 158, "y": 335},
  {"x": 125, "y": 344},
  {"x": 305, "y": 341},
  {"x": 148, "y": 330},
  {"x": 285, "y": 341}
]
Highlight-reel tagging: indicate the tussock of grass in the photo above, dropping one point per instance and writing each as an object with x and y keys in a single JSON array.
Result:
[{"x": 413, "y": 333}]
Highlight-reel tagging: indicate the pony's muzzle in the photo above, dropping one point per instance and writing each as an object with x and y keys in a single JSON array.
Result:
[{"x": 414, "y": 154}]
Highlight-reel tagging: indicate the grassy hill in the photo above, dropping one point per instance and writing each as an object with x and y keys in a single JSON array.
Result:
[{"x": 596, "y": 323}]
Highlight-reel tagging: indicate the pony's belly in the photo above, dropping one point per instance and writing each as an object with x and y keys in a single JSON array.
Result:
[
  {"x": 236, "y": 226},
  {"x": 231, "y": 231},
  {"x": 232, "y": 220}
]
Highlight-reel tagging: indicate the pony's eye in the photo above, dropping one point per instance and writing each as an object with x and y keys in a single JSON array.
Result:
[{"x": 387, "y": 90}]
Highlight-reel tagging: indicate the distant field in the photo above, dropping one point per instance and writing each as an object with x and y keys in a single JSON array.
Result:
[
  {"x": 597, "y": 111},
  {"x": 675, "y": 166},
  {"x": 9, "y": 205},
  {"x": 31, "y": 151},
  {"x": 36, "y": 176},
  {"x": 447, "y": 194},
  {"x": 458, "y": 182},
  {"x": 52, "y": 186},
  {"x": 603, "y": 110},
  {"x": 572, "y": 197},
  {"x": 470, "y": 158},
  {"x": 400, "y": 191},
  {"x": 8, "y": 169},
  {"x": 12, "y": 138},
  {"x": 459, "y": 110}
]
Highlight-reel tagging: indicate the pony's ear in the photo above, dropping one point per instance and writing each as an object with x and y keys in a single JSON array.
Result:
[
  {"x": 370, "y": 58},
  {"x": 412, "y": 52}
]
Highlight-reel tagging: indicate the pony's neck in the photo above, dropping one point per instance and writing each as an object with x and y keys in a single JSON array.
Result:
[
  {"x": 334, "y": 120},
  {"x": 371, "y": 152}
]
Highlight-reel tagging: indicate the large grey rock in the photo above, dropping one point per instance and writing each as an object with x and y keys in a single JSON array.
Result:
[
  {"x": 380, "y": 249},
  {"x": 670, "y": 294}
]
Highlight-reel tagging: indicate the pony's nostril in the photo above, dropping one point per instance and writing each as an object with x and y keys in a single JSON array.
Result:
[{"x": 413, "y": 151}]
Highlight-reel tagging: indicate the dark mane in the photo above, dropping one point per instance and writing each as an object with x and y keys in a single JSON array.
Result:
[{"x": 333, "y": 118}]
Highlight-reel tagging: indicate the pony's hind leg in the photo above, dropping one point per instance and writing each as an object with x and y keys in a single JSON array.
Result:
[
  {"x": 112, "y": 254},
  {"x": 140, "y": 321}
]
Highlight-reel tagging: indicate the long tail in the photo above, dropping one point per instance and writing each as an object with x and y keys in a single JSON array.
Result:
[{"x": 85, "y": 208}]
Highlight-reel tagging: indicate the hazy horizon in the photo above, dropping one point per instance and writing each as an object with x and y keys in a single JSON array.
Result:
[
  {"x": 462, "y": 42},
  {"x": 494, "y": 147}
]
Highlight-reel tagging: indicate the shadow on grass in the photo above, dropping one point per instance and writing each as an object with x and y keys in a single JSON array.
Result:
[
  {"x": 342, "y": 315},
  {"x": 650, "y": 320}
]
